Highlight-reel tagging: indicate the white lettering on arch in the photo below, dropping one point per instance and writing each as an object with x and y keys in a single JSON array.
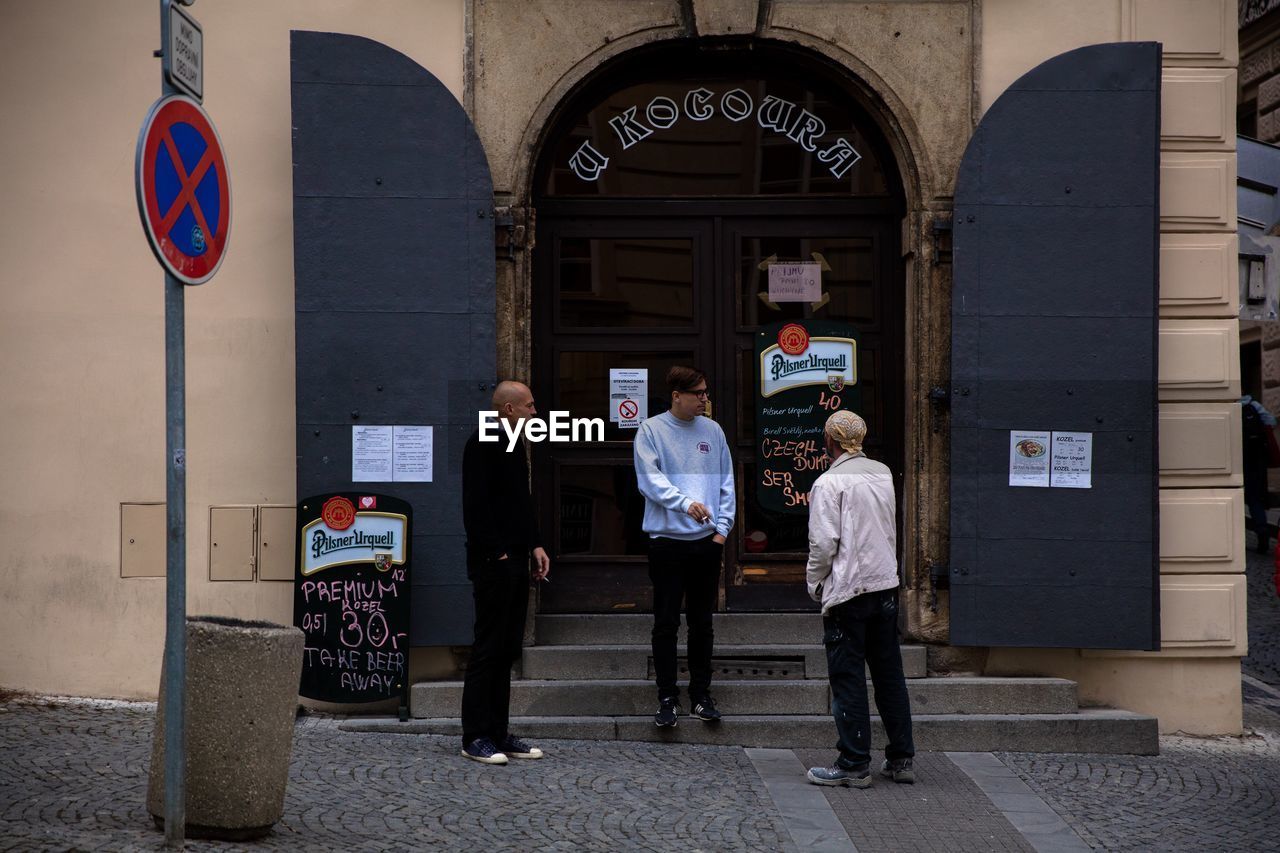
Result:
[
  {"x": 841, "y": 156},
  {"x": 801, "y": 126},
  {"x": 806, "y": 130},
  {"x": 628, "y": 130},
  {"x": 775, "y": 114},
  {"x": 696, "y": 106},
  {"x": 587, "y": 163},
  {"x": 662, "y": 112},
  {"x": 736, "y": 105}
]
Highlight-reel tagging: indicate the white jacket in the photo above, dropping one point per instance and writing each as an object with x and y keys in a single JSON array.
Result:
[{"x": 852, "y": 531}]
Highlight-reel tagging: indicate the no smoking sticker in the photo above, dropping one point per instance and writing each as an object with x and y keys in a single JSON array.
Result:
[{"x": 629, "y": 414}]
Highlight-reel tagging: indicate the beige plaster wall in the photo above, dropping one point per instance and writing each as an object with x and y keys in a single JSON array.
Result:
[
  {"x": 81, "y": 333},
  {"x": 1193, "y": 683}
]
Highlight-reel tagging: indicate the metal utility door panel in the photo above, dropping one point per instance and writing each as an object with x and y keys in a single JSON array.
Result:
[{"x": 1054, "y": 329}]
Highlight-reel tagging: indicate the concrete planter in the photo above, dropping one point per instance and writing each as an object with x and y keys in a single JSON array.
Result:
[{"x": 242, "y": 696}]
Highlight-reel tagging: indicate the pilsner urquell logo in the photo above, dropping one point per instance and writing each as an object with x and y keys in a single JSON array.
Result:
[
  {"x": 780, "y": 365},
  {"x": 322, "y": 543}
]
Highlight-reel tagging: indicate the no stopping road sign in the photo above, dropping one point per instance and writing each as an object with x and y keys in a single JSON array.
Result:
[{"x": 184, "y": 192}]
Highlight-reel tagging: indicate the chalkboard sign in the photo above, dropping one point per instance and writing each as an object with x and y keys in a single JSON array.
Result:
[
  {"x": 351, "y": 597},
  {"x": 808, "y": 369}
]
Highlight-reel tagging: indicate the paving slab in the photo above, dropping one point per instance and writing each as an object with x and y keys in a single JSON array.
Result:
[
  {"x": 944, "y": 811},
  {"x": 1035, "y": 819},
  {"x": 805, "y": 810}
]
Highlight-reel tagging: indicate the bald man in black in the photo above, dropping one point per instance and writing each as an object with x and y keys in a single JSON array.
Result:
[{"x": 501, "y": 521}]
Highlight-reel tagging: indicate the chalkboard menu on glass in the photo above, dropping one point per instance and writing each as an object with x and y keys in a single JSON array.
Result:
[
  {"x": 351, "y": 597},
  {"x": 808, "y": 369}
]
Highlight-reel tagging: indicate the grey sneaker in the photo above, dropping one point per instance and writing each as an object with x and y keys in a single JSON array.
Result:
[
  {"x": 668, "y": 709},
  {"x": 899, "y": 770},
  {"x": 859, "y": 777},
  {"x": 482, "y": 749}
]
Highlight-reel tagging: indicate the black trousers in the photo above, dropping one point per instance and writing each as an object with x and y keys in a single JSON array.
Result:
[
  {"x": 501, "y": 592},
  {"x": 864, "y": 629},
  {"x": 687, "y": 571}
]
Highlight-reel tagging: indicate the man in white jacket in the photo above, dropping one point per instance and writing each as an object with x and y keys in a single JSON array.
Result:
[{"x": 853, "y": 571}]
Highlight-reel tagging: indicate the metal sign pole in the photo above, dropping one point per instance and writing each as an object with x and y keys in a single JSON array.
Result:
[{"x": 175, "y": 633}]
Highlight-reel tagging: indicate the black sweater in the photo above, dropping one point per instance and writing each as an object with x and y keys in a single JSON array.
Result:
[{"x": 498, "y": 511}]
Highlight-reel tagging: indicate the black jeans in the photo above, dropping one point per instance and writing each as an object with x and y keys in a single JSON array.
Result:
[
  {"x": 688, "y": 570},
  {"x": 865, "y": 630},
  {"x": 501, "y": 591}
]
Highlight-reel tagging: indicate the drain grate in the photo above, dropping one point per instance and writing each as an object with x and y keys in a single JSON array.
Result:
[{"x": 745, "y": 667}]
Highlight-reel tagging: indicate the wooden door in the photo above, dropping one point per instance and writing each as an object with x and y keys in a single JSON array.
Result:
[{"x": 653, "y": 291}]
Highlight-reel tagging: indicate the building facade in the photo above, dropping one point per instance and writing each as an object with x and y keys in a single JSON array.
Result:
[{"x": 641, "y": 184}]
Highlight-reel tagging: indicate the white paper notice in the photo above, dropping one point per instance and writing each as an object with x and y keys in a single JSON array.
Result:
[
  {"x": 1073, "y": 460},
  {"x": 628, "y": 396},
  {"x": 1028, "y": 458},
  {"x": 391, "y": 454},
  {"x": 371, "y": 454},
  {"x": 795, "y": 282},
  {"x": 411, "y": 454}
]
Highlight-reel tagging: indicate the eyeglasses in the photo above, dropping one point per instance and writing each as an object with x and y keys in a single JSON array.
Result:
[{"x": 701, "y": 394}]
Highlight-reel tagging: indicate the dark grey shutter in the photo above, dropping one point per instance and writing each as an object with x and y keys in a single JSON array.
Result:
[
  {"x": 394, "y": 278},
  {"x": 1054, "y": 325}
]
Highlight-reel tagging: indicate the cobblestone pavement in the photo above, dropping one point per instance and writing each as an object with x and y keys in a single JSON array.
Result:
[
  {"x": 1199, "y": 794},
  {"x": 1263, "y": 661},
  {"x": 74, "y": 777}
]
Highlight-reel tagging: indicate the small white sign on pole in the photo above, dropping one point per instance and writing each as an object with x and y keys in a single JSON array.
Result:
[
  {"x": 795, "y": 282},
  {"x": 628, "y": 396},
  {"x": 184, "y": 54}
]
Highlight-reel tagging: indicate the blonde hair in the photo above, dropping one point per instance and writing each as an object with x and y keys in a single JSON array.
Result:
[{"x": 847, "y": 430}]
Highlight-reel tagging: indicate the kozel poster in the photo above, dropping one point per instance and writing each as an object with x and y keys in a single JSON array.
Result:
[
  {"x": 351, "y": 596},
  {"x": 808, "y": 369}
]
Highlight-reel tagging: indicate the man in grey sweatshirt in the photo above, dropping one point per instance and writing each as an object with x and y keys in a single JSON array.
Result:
[{"x": 685, "y": 472}]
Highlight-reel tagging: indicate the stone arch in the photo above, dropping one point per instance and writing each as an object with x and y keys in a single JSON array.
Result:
[{"x": 927, "y": 276}]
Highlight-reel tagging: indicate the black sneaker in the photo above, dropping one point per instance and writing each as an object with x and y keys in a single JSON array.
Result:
[
  {"x": 899, "y": 770},
  {"x": 668, "y": 709},
  {"x": 859, "y": 777},
  {"x": 482, "y": 749},
  {"x": 705, "y": 710},
  {"x": 516, "y": 748}
]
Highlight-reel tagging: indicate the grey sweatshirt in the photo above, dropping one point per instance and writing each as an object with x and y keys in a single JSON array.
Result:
[{"x": 679, "y": 462}]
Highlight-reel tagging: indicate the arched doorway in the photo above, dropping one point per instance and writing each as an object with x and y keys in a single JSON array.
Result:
[{"x": 664, "y": 187}]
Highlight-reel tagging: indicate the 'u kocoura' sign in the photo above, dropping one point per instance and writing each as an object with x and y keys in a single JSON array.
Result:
[{"x": 777, "y": 114}]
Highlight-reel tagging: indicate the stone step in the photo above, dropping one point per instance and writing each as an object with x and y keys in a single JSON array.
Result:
[
  {"x": 628, "y": 697},
  {"x": 565, "y": 662},
  {"x": 1094, "y": 730},
  {"x": 765, "y": 629}
]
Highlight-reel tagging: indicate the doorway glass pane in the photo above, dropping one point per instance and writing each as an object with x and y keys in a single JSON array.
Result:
[
  {"x": 628, "y": 282},
  {"x": 765, "y": 532},
  {"x": 849, "y": 284},
  {"x": 584, "y": 383},
  {"x": 601, "y": 511}
]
